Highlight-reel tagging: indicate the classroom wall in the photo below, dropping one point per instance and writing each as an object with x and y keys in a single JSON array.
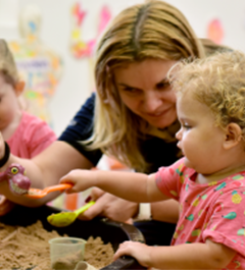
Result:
[{"x": 76, "y": 83}]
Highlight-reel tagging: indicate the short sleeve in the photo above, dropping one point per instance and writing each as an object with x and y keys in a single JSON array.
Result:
[
  {"x": 42, "y": 137},
  {"x": 81, "y": 128},
  {"x": 227, "y": 222},
  {"x": 170, "y": 179},
  {"x": 32, "y": 136}
]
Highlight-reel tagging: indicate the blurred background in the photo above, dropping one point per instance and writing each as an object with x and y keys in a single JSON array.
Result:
[{"x": 67, "y": 31}]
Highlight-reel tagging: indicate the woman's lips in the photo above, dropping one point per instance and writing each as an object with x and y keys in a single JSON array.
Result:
[{"x": 158, "y": 114}]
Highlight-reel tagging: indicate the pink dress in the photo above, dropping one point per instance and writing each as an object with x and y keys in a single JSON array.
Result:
[
  {"x": 31, "y": 137},
  {"x": 212, "y": 211}
]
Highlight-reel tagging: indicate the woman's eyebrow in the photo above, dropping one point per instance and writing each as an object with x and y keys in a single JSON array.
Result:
[
  {"x": 124, "y": 84},
  {"x": 164, "y": 80},
  {"x": 128, "y": 86}
]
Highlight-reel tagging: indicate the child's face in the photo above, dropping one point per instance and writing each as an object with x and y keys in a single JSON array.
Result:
[
  {"x": 199, "y": 138},
  {"x": 8, "y": 103}
]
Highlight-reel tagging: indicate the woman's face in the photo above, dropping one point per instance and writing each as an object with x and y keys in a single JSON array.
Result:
[{"x": 144, "y": 89}]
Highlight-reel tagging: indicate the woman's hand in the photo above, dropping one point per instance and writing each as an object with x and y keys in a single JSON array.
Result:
[
  {"x": 139, "y": 251},
  {"x": 109, "y": 206}
]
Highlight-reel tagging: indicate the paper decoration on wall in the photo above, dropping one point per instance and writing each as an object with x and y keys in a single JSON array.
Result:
[
  {"x": 39, "y": 66},
  {"x": 79, "y": 47},
  {"x": 215, "y": 31}
]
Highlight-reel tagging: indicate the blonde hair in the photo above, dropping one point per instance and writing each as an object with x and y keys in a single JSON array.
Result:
[
  {"x": 151, "y": 30},
  {"x": 7, "y": 64},
  {"x": 211, "y": 47},
  {"x": 218, "y": 82}
]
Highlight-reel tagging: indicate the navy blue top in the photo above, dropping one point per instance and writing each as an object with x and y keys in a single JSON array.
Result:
[{"x": 155, "y": 150}]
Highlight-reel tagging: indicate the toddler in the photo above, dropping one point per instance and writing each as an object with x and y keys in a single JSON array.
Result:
[
  {"x": 208, "y": 182},
  {"x": 25, "y": 134}
]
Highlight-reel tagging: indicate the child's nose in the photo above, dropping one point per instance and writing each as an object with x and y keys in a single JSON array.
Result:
[{"x": 178, "y": 134}]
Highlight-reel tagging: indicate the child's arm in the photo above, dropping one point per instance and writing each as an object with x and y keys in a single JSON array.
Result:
[
  {"x": 209, "y": 255},
  {"x": 137, "y": 187},
  {"x": 44, "y": 170},
  {"x": 167, "y": 211}
]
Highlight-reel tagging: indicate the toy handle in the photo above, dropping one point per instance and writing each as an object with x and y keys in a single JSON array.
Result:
[{"x": 57, "y": 187}]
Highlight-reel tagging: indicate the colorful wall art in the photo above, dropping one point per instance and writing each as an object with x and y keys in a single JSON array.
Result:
[
  {"x": 215, "y": 31},
  {"x": 81, "y": 48},
  {"x": 39, "y": 66}
]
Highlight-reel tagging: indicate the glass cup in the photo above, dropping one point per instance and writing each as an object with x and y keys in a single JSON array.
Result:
[{"x": 66, "y": 252}]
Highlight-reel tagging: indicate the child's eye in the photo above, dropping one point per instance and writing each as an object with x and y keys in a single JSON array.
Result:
[{"x": 186, "y": 126}]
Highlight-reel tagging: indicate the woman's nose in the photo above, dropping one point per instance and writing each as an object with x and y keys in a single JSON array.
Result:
[{"x": 151, "y": 102}]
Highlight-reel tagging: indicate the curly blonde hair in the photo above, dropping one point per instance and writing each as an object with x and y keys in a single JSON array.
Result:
[
  {"x": 154, "y": 30},
  {"x": 218, "y": 82}
]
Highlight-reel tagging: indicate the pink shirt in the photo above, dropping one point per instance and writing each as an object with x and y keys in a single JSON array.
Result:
[
  {"x": 31, "y": 137},
  {"x": 215, "y": 210}
]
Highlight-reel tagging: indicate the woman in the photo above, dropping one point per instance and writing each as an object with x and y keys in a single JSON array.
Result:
[{"x": 132, "y": 116}]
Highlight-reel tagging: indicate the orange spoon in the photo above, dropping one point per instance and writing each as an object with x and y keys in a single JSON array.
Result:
[{"x": 36, "y": 193}]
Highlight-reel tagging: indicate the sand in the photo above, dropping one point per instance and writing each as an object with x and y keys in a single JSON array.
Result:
[
  {"x": 97, "y": 253},
  {"x": 25, "y": 247}
]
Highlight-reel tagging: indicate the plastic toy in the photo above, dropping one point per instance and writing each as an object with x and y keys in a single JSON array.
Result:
[
  {"x": 64, "y": 219},
  {"x": 36, "y": 193},
  {"x": 15, "y": 175}
]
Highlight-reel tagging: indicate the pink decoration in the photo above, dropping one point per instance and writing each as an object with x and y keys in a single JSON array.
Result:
[
  {"x": 79, "y": 47},
  {"x": 78, "y": 13},
  {"x": 215, "y": 31},
  {"x": 105, "y": 16}
]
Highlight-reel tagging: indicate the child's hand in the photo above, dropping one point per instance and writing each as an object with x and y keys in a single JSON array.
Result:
[
  {"x": 139, "y": 251},
  {"x": 81, "y": 180}
]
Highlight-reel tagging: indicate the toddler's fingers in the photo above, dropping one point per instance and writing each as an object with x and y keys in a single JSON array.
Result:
[
  {"x": 71, "y": 190},
  {"x": 65, "y": 179},
  {"x": 122, "y": 250}
]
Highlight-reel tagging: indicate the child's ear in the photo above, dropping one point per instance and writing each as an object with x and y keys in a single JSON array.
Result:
[
  {"x": 233, "y": 135},
  {"x": 19, "y": 87}
]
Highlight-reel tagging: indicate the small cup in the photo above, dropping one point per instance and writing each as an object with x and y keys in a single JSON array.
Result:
[
  {"x": 84, "y": 266},
  {"x": 66, "y": 252}
]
